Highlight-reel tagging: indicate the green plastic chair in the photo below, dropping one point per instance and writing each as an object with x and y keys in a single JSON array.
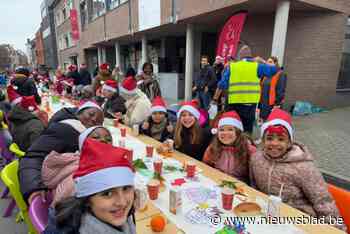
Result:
[
  {"x": 16, "y": 150},
  {"x": 10, "y": 178}
]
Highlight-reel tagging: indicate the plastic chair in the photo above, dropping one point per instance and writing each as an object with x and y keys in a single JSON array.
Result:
[
  {"x": 342, "y": 200},
  {"x": 10, "y": 178},
  {"x": 38, "y": 212}
]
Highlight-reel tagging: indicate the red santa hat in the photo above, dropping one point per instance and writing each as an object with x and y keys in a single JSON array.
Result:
[
  {"x": 104, "y": 66},
  {"x": 190, "y": 106},
  {"x": 88, "y": 104},
  {"x": 102, "y": 167},
  {"x": 110, "y": 85},
  {"x": 29, "y": 103},
  {"x": 129, "y": 85},
  {"x": 158, "y": 105},
  {"x": 230, "y": 118},
  {"x": 13, "y": 96},
  {"x": 85, "y": 134},
  {"x": 278, "y": 117}
]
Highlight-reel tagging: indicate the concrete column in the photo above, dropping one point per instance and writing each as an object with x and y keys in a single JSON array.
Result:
[
  {"x": 104, "y": 56},
  {"x": 189, "y": 62},
  {"x": 162, "y": 47},
  {"x": 280, "y": 30},
  {"x": 99, "y": 56},
  {"x": 117, "y": 55},
  {"x": 144, "y": 50}
]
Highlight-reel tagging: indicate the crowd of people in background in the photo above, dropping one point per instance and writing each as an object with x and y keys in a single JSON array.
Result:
[{"x": 65, "y": 153}]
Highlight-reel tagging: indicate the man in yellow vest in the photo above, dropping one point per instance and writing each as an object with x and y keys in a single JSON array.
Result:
[{"x": 241, "y": 80}]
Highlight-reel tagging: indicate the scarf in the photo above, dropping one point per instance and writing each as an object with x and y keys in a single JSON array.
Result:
[
  {"x": 91, "y": 225},
  {"x": 157, "y": 129}
]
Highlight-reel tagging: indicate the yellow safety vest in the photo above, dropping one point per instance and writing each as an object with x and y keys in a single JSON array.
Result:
[{"x": 244, "y": 83}]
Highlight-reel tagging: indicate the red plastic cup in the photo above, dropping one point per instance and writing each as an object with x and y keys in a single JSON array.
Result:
[
  {"x": 227, "y": 198},
  {"x": 149, "y": 151},
  {"x": 123, "y": 132},
  {"x": 153, "y": 189},
  {"x": 130, "y": 155},
  {"x": 191, "y": 169},
  {"x": 116, "y": 122},
  {"x": 157, "y": 165}
]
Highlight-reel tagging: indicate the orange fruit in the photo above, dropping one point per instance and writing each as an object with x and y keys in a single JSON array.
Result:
[{"x": 158, "y": 223}]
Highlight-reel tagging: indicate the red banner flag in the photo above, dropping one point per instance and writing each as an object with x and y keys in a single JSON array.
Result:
[
  {"x": 230, "y": 35},
  {"x": 74, "y": 24}
]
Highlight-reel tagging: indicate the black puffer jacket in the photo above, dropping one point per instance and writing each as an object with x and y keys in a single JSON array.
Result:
[
  {"x": 114, "y": 105},
  {"x": 194, "y": 150},
  {"x": 25, "y": 127},
  {"x": 75, "y": 76},
  {"x": 165, "y": 134},
  {"x": 26, "y": 87},
  {"x": 64, "y": 113},
  {"x": 85, "y": 77},
  {"x": 59, "y": 137}
]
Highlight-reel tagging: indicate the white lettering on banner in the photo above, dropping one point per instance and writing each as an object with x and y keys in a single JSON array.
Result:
[{"x": 149, "y": 14}]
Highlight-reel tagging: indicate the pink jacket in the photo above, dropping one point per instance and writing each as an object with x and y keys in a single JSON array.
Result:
[
  {"x": 57, "y": 174},
  {"x": 230, "y": 163},
  {"x": 304, "y": 187}
]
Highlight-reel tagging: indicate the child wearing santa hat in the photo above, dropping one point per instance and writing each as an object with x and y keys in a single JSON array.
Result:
[
  {"x": 287, "y": 166},
  {"x": 104, "y": 193},
  {"x": 189, "y": 137},
  {"x": 137, "y": 103},
  {"x": 114, "y": 107},
  {"x": 25, "y": 123},
  {"x": 231, "y": 149},
  {"x": 158, "y": 125},
  {"x": 57, "y": 169}
]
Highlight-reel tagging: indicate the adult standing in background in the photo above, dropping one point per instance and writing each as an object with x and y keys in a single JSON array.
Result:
[
  {"x": 147, "y": 82},
  {"x": 241, "y": 79},
  {"x": 272, "y": 90},
  {"x": 85, "y": 75}
]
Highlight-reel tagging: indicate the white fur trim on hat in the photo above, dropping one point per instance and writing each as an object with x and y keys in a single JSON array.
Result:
[
  {"x": 232, "y": 122},
  {"x": 158, "y": 109},
  {"x": 277, "y": 122},
  {"x": 190, "y": 109},
  {"x": 85, "y": 134},
  {"x": 89, "y": 104},
  {"x": 130, "y": 92},
  {"x": 16, "y": 101},
  {"x": 214, "y": 131},
  {"x": 31, "y": 108},
  {"x": 102, "y": 180},
  {"x": 109, "y": 88}
]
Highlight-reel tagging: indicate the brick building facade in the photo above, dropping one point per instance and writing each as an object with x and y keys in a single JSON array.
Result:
[{"x": 129, "y": 32}]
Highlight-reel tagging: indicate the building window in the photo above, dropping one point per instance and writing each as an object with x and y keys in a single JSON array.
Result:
[
  {"x": 115, "y": 3},
  {"x": 83, "y": 14},
  {"x": 98, "y": 8}
]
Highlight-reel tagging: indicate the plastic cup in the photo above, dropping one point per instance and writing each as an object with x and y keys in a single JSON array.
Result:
[
  {"x": 149, "y": 151},
  {"x": 170, "y": 144},
  {"x": 123, "y": 132},
  {"x": 153, "y": 189},
  {"x": 135, "y": 129},
  {"x": 227, "y": 198},
  {"x": 157, "y": 165},
  {"x": 130, "y": 155},
  {"x": 190, "y": 169}
]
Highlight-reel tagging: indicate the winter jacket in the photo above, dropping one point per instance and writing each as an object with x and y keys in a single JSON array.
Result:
[
  {"x": 114, "y": 105},
  {"x": 60, "y": 137},
  {"x": 57, "y": 174},
  {"x": 24, "y": 126},
  {"x": 206, "y": 77},
  {"x": 138, "y": 108},
  {"x": 75, "y": 76},
  {"x": 26, "y": 87},
  {"x": 64, "y": 113},
  {"x": 194, "y": 150},
  {"x": 163, "y": 136},
  {"x": 304, "y": 187},
  {"x": 85, "y": 77},
  {"x": 279, "y": 91},
  {"x": 218, "y": 68},
  {"x": 151, "y": 88},
  {"x": 100, "y": 79},
  {"x": 230, "y": 163}
]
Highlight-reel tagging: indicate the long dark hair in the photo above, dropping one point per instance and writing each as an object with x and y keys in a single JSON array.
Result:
[{"x": 195, "y": 132}]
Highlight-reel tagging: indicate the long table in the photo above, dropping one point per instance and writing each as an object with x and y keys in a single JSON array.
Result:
[{"x": 143, "y": 218}]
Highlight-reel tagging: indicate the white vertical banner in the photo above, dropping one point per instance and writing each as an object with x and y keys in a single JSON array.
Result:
[{"x": 149, "y": 14}]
